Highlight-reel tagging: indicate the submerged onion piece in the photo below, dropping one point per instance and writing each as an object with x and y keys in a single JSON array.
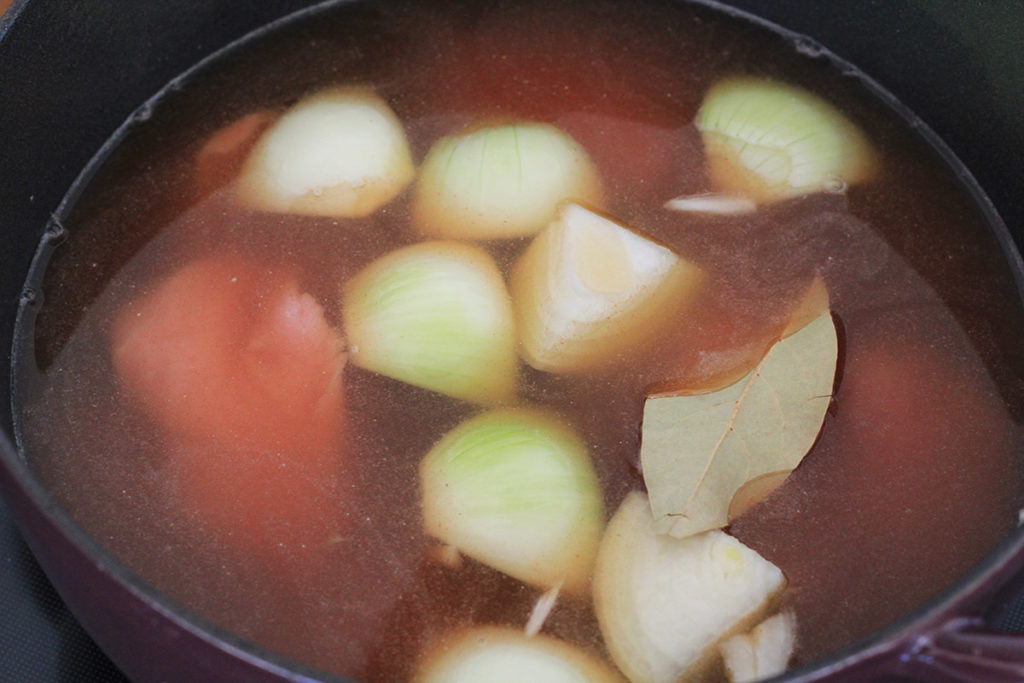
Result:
[
  {"x": 588, "y": 289},
  {"x": 504, "y": 655},
  {"x": 436, "y": 315},
  {"x": 341, "y": 152},
  {"x": 664, "y": 604},
  {"x": 542, "y": 610},
  {"x": 713, "y": 203},
  {"x": 762, "y": 653},
  {"x": 501, "y": 181},
  {"x": 515, "y": 489},
  {"x": 770, "y": 141}
]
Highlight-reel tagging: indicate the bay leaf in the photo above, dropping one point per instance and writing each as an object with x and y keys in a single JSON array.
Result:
[
  {"x": 698, "y": 450},
  {"x": 754, "y": 491}
]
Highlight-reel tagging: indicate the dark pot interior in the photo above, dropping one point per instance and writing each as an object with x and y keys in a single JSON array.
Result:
[{"x": 70, "y": 74}]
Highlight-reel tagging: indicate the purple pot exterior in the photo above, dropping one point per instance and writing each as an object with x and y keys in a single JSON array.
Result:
[
  {"x": 946, "y": 641},
  {"x": 150, "y": 638},
  {"x": 148, "y": 641}
]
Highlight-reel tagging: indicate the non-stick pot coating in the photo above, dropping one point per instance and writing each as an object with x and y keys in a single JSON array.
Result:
[{"x": 70, "y": 73}]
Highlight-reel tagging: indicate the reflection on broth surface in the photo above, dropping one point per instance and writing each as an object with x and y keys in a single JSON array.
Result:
[{"x": 197, "y": 403}]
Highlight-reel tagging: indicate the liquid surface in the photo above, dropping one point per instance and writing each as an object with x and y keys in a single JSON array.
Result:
[{"x": 915, "y": 475}]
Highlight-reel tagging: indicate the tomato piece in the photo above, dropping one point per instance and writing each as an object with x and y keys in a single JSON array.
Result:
[
  {"x": 242, "y": 374},
  {"x": 631, "y": 115},
  {"x": 221, "y": 157}
]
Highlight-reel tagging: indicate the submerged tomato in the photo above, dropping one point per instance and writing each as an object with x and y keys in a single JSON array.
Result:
[
  {"x": 241, "y": 371},
  {"x": 604, "y": 89},
  {"x": 222, "y": 155},
  {"x": 911, "y": 467}
]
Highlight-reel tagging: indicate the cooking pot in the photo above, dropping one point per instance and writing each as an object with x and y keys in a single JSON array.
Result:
[{"x": 71, "y": 73}]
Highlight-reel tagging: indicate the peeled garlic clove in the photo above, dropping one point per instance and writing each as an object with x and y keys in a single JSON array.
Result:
[
  {"x": 588, "y": 289},
  {"x": 503, "y": 655},
  {"x": 768, "y": 141},
  {"x": 515, "y": 490},
  {"x": 436, "y": 315},
  {"x": 664, "y": 604},
  {"x": 341, "y": 152},
  {"x": 501, "y": 182}
]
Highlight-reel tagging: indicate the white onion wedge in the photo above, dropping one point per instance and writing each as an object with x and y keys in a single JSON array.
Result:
[
  {"x": 515, "y": 489},
  {"x": 664, "y": 604},
  {"x": 588, "y": 289},
  {"x": 768, "y": 140},
  {"x": 493, "y": 654},
  {"x": 501, "y": 181},
  {"x": 762, "y": 653},
  {"x": 341, "y": 152},
  {"x": 436, "y": 315}
]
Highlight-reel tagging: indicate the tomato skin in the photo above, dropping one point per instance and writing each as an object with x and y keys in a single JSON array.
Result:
[
  {"x": 635, "y": 157},
  {"x": 916, "y": 423},
  {"x": 272, "y": 505},
  {"x": 223, "y": 154},
  {"x": 241, "y": 373},
  {"x": 912, "y": 462},
  {"x": 229, "y": 352}
]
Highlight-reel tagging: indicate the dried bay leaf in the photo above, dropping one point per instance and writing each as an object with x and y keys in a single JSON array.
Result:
[
  {"x": 754, "y": 491},
  {"x": 698, "y": 450}
]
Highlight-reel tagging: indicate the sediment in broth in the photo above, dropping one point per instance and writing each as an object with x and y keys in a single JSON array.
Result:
[{"x": 881, "y": 515}]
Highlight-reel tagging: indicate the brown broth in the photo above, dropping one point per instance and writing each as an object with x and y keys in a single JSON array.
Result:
[{"x": 914, "y": 478}]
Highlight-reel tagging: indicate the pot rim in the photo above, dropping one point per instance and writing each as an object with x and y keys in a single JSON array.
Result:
[{"x": 974, "y": 587}]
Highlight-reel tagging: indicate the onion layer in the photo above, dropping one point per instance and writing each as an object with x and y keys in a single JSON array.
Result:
[
  {"x": 664, "y": 604},
  {"x": 515, "y": 489},
  {"x": 501, "y": 181},
  {"x": 436, "y": 315},
  {"x": 341, "y": 153},
  {"x": 769, "y": 141},
  {"x": 504, "y": 655},
  {"x": 762, "y": 653},
  {"x": 588, "y": 289}
]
